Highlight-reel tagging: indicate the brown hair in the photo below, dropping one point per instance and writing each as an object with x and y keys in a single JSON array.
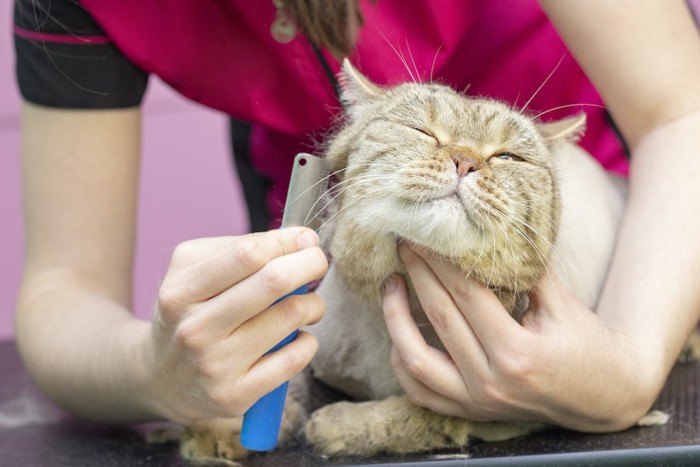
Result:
[{"x": 332, "y": 24}]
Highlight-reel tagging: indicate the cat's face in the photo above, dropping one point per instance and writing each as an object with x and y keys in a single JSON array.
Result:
[{"x": 471, "y": 179}]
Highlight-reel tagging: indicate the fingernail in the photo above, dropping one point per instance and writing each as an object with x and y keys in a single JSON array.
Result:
[
  {"x": 391, "y": 283},
  {"x": 405, "y": 250},
  {"x": 307, "y": 239},
  {"x": 416, "y": 247}
]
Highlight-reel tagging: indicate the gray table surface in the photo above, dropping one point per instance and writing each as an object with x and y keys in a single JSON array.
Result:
[{"x": 34, "y": 432}]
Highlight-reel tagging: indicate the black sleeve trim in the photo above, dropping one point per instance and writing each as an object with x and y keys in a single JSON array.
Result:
[{"x": 64, "y": 59}]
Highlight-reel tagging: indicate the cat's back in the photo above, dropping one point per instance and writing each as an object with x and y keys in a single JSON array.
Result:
[{"x": 592, "y": 202}]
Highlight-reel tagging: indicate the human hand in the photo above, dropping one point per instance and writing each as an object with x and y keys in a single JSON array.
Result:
[
  {"x": 561, "y": 364},
  {"x": 216, "y": 318}
]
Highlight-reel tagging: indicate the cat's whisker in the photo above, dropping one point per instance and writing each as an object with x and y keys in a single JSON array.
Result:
[
  {"x": 414, "y": 219},
  {"x": 542, "y": 85},
  {"x": 354, "y": 201},
  {"x": 509, "y": 243},
  {"x": 517, "y": 98},
  {"x": 400, "y": 55},
  {"x": 432, "y": 66},
  {"x": 514, "y": 223},
  {"x": 349, "y": 184},
  {"x": 567, "y": 106},
  {"x": 546, "y": 259},
  {"x": 482, "y": 217},
  {"x": 415, "y": 67},
  {"x": 325, "y": 180},
  {"x": 492, "y": 273},
  {"x": 555, "y": 254},
  {"x": 369, "y": 165},
  {"x": 482, "y": 252}
]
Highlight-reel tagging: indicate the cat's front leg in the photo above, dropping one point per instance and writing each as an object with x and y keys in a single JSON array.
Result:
[{"x": 397, "y": 426}]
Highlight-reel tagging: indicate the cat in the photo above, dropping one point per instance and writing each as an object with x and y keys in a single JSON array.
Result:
[{"x": 482, "y": 185}]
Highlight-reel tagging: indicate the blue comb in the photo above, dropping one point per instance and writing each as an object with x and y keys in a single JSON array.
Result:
[{"x": 262, "y": 421}]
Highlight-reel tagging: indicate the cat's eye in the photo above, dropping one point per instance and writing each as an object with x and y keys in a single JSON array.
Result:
[
  {"x": 508, "y": 156},
  {"x": 425, "y": 132}
]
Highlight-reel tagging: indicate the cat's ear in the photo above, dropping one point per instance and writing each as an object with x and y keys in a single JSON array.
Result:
[
  {"x": 568, "y": 130},
  {"x": 355, "y": 88}
]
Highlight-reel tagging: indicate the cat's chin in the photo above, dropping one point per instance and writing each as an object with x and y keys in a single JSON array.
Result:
[{"x": 445, "y": 228}]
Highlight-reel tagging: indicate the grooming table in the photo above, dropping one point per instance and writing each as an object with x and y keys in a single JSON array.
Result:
[{"x": 35, "y": 433}]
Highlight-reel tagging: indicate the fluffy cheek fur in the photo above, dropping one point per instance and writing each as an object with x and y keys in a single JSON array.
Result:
[
  {"x": 364, "y": 261},
  {"x": 516, "y": 212}
]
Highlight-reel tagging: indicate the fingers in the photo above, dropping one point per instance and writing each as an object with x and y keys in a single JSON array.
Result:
[
  {"x": 277, "y": 367},
  {"x": 219, "y": 311},
  {"x": 259, "y": 291},
  {"x": 439, "y": 306},
  {"x": 239, "y": 350},
  {"x": 418, "y": 366},
  {"x": 194, "y": 290},
  {"x": 262, "y": 332},
  {"x": 420, "y": 393},
  {"x": 203, "y": 268},
  {"x": 484, "y": 321},
  {"x": 227, "y": 393}
]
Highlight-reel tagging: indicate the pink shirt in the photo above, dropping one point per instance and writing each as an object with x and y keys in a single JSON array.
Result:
[{"x": 221, "y": 53}]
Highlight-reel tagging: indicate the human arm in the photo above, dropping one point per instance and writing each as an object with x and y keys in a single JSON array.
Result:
[
  {"x": 644, "y": 57},
  {"x": 653, "y": 94},
  {"x": 75, "y": 330}
]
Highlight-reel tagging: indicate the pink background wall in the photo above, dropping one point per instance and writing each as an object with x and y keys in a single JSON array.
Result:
[{"x": 188, "y": 186}]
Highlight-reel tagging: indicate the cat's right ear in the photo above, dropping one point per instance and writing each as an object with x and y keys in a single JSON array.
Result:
[
  {"x": 355, "y": 88},
  {"x": 569, "y": 129}
]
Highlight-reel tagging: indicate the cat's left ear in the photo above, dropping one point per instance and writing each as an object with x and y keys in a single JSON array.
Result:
[
  {"x": 567, "y": 130},
  {"x": 355, "y": 88}
]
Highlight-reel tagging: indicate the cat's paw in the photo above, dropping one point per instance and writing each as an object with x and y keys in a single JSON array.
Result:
[
  {"x": 218, "y": 439},
  {"x": 330, "y": 430},
  {"x": 394, "y": 426},
  {"x": 397, "y": 426},
  {"x": 345, "y": 429},
  {"x": 215, "y": 440}
]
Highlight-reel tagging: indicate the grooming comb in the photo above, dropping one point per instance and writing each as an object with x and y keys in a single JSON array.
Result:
[{"x": 261, "y": 423}]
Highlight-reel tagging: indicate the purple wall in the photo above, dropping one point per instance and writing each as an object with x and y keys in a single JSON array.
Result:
[{"x": 188, "y": 187}]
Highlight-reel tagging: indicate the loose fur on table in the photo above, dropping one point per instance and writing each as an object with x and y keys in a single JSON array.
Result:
[{"x": 487, "y": 187}]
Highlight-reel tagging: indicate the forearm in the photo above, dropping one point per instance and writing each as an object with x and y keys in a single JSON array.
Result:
[
  {"x": 83, "y": 348},
  {"x": 651, "y": 295}
]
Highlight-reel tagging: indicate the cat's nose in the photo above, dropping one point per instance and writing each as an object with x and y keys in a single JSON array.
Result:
[{"x": 464, "y": 166}]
